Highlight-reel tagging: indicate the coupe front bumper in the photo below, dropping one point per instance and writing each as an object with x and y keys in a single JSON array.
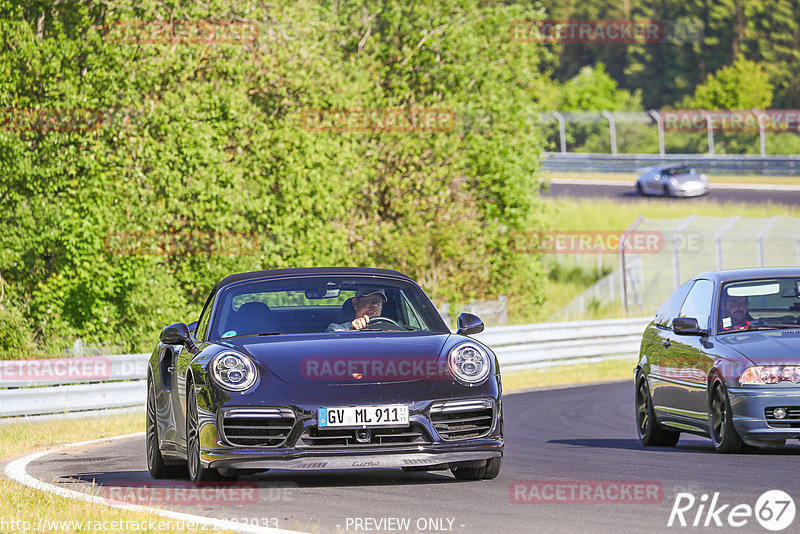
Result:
[
  {"x": 748, "y": 407},
  {"x": 295, "y": 454}
]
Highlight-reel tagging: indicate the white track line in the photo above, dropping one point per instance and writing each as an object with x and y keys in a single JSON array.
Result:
[
  {"x": 711, "y": 185},
  {"x": 17, "y": 471}
]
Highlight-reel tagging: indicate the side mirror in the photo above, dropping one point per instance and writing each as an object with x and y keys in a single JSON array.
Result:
[
  {"x": 687, "y": 326},
  {"x": 469, "y": 324},
  {"x": 178, "y": 334}
]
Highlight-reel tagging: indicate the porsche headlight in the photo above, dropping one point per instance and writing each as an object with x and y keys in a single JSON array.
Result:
[
  {"x": 770, "y": 374},
  {"x": 469, "y": 363},
  {"x": 233, "y": 371},
  {"x": 673, "y": 181}
]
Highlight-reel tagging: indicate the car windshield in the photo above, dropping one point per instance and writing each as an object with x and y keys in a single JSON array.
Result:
[
  {"x": 677, "y": 171},
  {"x": 313, "y": 304},
  {"x": 759, "y": 304}
]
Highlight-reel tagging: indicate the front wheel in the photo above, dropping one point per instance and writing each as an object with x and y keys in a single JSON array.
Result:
[
  {"x": 488, "y": 471},
  {"x": 720, "y": 421},
  {"x": 651, "y": 434},
  {"x": 197, "y": 473},
  {"x": 156, "y": 465}
]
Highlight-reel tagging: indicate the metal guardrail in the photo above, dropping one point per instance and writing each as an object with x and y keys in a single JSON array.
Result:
[
  {"x": 517, "y": 347},
  {"x": 31, "y": 373},
  {"x": 718, "y": 164},
  {"x": 564, "y": 343},
  {"x": 72, "y": 398}
]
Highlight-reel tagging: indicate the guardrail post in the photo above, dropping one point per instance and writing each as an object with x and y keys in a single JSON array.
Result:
[
  {"x": 761, "y": 234},
  {"x": 562, "y": 131},
  {"x": 612, "y": 127},
  {"x": 653, "y": 113}
]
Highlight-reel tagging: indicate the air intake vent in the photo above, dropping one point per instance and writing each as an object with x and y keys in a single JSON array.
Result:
[
  {"x": 456, "y": 420},
  {"x": 257, "y": 427},
  {"x": 379, "y": 437}
]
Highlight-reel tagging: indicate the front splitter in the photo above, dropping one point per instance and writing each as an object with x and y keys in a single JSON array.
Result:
[{"x": 362, "y": 461}]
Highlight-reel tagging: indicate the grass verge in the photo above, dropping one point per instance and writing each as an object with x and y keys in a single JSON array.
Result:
[
  {"x": 25, "y": 509},
  {"x": 605, "y": 371}
]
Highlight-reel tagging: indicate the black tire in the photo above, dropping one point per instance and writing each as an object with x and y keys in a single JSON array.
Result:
[
  {"x": 650, "y": 433},
  {"x": 156, "y": 465},
  {"x": 486, "y": 472},
  {"x": 639, "y": 190},
  {"x": 720, "y": 421},
  {"x": 667, "y": 192},
  {"x": 197, "y": 473}
]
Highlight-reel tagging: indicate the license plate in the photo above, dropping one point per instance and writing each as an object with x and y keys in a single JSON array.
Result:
[{"x": 363, "y": 416}]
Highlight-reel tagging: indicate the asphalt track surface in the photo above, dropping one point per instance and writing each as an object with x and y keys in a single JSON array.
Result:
[
  {"x": 573, "y": 434},
  {"x": 625, "y": 192}
]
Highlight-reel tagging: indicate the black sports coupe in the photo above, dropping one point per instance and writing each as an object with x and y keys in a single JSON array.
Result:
[
  {"x": 722, "y": 359},
  {"x": 322, "y": 368}
]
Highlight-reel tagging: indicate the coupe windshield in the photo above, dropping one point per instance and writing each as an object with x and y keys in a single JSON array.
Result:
[
  {"x": 321, "y": 304},
  {"x": 761, "y": 304}
]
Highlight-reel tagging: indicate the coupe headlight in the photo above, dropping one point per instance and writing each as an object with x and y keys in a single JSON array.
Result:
[
  {"x": 233, "y": 371},
  {"x": 673, "y": 181},
  {"x": 469, "y": 363},
  {"x": 770, "y": 374}
]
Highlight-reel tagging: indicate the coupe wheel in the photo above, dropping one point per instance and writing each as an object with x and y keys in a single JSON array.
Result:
[
  {"x": 155, "y": 461},
  {"x": 667, "y": 192},
  {"x": 720, "y": 421},
  {"x": 639, "y": 190},
  {"x": 488, "y": 471},
  {"x": 197, "y": 473},
  {"x": 651, "y": 434}
]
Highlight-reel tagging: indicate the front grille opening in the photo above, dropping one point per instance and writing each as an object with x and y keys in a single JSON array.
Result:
[
  {"x": 268, "y": 427},
  {"x": 459, "y": 420},
  {"x": 792, "y": 419},
  {"x": 381, "y": 437}
]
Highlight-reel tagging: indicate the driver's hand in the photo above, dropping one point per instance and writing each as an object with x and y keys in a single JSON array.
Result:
[{"x": 360, "y": 322}]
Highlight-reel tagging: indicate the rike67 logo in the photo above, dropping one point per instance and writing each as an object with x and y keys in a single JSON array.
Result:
[{"x": 774, "y": 510}]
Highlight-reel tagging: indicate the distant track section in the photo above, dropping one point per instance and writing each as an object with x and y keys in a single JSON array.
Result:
[{"x": 719, "y": 164}]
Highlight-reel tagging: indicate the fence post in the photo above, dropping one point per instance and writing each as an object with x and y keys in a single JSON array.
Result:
[
  {"x": 761, "y": 234},
  {"x": 718, "y": 238},
  {"x": 653, "y": 113},
  {"x": 562, "y": 131},
  {"x": 761, "y": 136},
  {"x": 612, "y": 126},
  {"x": 710, "y": 128},
  {"x": 675, "y": 260}
]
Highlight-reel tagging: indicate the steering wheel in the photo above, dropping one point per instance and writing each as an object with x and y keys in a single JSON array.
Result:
[{"x": 381, "y": 319}]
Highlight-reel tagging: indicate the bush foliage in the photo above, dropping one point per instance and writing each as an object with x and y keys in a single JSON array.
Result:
[{"x": 207, "y": 138}]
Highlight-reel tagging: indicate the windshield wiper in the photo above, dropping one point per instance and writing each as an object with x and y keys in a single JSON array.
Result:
[
  {"x": 259, "y": 334},
  {"x": 755, "y": 327}
]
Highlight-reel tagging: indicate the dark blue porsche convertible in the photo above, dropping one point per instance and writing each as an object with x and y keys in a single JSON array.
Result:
[{"x": 322, "y": 368}]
